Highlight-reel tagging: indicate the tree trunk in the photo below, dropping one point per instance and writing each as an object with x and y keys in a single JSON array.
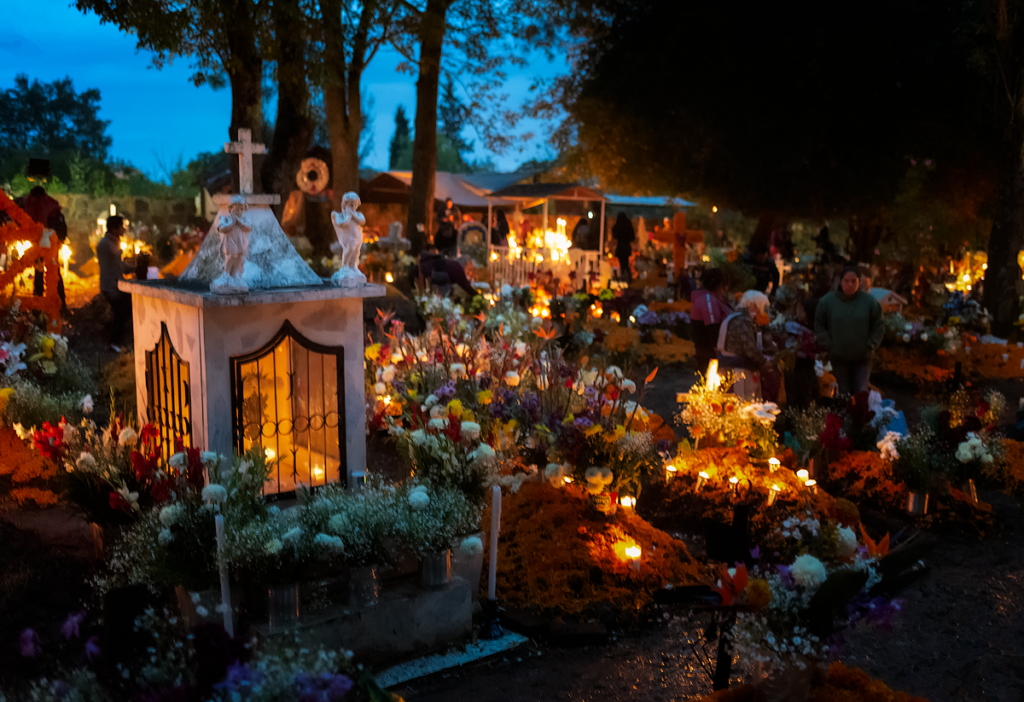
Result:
[
  {"x": 244, "y": 66},
  {"x": 341, "y": 100},
  {"x": 293, "y": 129},
  {"x": 424, "y": 149},
  {"x": 866, "y": 232},
  {"x": 1003, "y": 276}
]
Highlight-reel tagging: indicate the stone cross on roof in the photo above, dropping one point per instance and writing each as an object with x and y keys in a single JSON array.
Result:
[{"x": 245, "y": 150}]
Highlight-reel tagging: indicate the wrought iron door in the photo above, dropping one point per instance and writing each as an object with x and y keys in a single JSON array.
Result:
[
  {"x": 288, "y": 397},
  {"x": 169, "y": 402}
]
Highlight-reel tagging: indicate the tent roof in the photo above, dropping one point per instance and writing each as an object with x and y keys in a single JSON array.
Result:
[
  {"x": 446, "y": 185},
  {"x": 493, "y": 181},
  {"x": 879, "y": 293},
  {"x": 651, "y": 201},
  {"x": 542, "y": 191}
]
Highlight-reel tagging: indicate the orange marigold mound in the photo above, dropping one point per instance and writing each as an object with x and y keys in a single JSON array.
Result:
[
  {"x": 28, "y": 470},
  {"x": 840, "y": 684},
  {"x": 557, "y": 555}
]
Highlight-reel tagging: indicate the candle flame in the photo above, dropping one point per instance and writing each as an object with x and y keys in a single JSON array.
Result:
[
  {"x": 627, "y": 501},
  {"x": 712, "y": 380},
  {"x": 803, "y": 474},
  {"x": 633, "y": 552},
  {"x": 776, "y": 488},
  {"x": 388, "y": 277},
  {"x": 704, "y": 475},
  {"x": 734, "y": 480}
]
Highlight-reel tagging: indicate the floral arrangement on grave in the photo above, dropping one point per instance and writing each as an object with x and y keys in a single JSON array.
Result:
[
  {"x": 348, "y": 226},
  {"x": 720, "y": 419},
  {"x": 792, "y": 613},
  {"x": 234, "y": 241},
  {"x": 828, "y": 433},
  {"x": 964, "y": 428},
  {"x": 173, "y": 541}
]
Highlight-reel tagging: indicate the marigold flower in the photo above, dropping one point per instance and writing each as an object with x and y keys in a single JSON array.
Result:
[{"x": 759, "y": 594}]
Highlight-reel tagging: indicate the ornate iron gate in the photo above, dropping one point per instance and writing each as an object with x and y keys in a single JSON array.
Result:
[
  {"x": 170, "y": 394},
  {"x": 288, "y": 397}
]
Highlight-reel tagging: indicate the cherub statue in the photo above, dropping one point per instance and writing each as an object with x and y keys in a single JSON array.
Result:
[
  {"x": 348, "y": 226},
  {"x": 234, "y": 241}
]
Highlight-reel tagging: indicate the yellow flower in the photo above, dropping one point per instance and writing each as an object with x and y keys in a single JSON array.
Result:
[
  {"x": 569, "y": 420},
  {"x": 484, "y": 397},
  {"x": 372, "y": 351},
  {"x": 467, "y": 416},
  {"x": 759, "y": 594},
  {"x": 455, "y": 407},
  {"x": 5, "y": 395},
  {"x": 592, "y": 430},
  {"x": 47, "y": 347}
]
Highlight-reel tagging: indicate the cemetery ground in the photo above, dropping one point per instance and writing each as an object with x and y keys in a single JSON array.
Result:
[{"x": 958, "y": 638}]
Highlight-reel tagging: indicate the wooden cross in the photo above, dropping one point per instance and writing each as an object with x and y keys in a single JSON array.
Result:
[{"x": 245, "y": 150}]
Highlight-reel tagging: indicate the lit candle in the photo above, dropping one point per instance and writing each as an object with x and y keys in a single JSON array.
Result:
[
  {"x": 813, "y": 485},
  {"x": 702, "y": 478},
  {"x": 773, "y": 494},
  {"x": 225, "y": 587},
  {"x": 735, "y": 483},
  {"x": 773, "y": 464},
  {"x": 627, "y": 502},
  {"x": 633, "y": 553},
  {"x": 712, "y": 380},
  {"x": 567, "y": 480},
  {"x": 803, "y": 475},
  {"x": 492, "y": 571},
  {"x": 65, "y": 257},
  {"x": 388, "y": 277},
  {"x": 670, "y": 472}
]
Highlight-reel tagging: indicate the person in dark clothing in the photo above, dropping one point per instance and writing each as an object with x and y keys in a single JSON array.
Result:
[
  {"x": 707, "y": 311},
  {"x": 624, "y": 235},
  {"x": 442, "y": 273},
  {"x": 448, "y": 221},
  {"x": 762, "y": 267},
  {"x": 581, "y": 236},
  {"x": 112, "y": 270},
  {"x": 802, "y": 381},
  {"x": 500, "y": 229},
  {"x": 848, "y": 324},
  {"x": 46, "y": 211}
]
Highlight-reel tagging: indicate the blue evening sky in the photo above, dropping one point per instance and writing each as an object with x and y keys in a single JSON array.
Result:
[{"x": 157, "y": 116}]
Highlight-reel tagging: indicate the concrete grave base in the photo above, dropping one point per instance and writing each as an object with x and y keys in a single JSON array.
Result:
[{"x": 406, "y": 620}]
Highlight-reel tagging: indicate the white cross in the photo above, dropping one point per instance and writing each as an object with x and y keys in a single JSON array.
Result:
[{"x": 245, "y": 149}]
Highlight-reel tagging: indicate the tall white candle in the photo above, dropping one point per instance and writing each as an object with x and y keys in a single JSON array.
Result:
[
  {"x": 492, "y": 574},
  {"x": 225, "y": 587}
]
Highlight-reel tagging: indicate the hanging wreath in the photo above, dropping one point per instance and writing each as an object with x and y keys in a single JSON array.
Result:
[{"x": 313, "y": 176}]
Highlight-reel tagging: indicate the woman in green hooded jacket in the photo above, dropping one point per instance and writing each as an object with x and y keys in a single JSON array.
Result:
[{"x": 848, "y": 326}]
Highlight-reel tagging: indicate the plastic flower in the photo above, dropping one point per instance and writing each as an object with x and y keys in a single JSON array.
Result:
[
  {"x": 85, "y": 463},
  {"x": 215, "y": 493},
  {"x": 731, "y": 582},
  {"x": 808, "y": 571},
  {"x": 127, "y": 437},
  {"x": 759, "y": 593}
]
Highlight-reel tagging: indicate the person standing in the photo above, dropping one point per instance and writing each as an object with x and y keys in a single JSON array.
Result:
[
  {"x": 624, "y": 235},
  {"x": 762, "y": 267},
  {"x": 707, "y": 312},
  {"x": 112, "y": 270},
  {"x": 448, "y": 221},
  {"x": 499, "y": 229},
  {"x": 848, "y": 326}
]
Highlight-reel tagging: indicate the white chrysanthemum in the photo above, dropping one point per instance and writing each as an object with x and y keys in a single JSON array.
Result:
[
  {"x": 388, "y": 375},
  {"x": 628, "y": 386},
  {"x": 520, "y": 349},
  {"x": 177, "y": 461},
  {"x": 328, "y": 542},
  {"x": 613, "y": 372},
  {"x": 419, "y": 499},
  {"x": 847, "y": 542},
  {"x": 336, "y": 522},
  {"x": 164, "y": 537},
  {"x": 273, "y": 546},
  {"x": 808, "y": 571},
  {"x": 472, "y": 546},
  {"x": 170, "y": 515},
  {"x": 987, "y": 458},
  {"x": 471, "y": 430},
  {"x": 483, "y": 453},
  {"x": 512, "y": 379},
  {"x": 418, "y": 436},
  {"x": 127, "y": 437},
  {"x": 215, "y": 493},
  {"x": 85, "y": 463},
  {"x": 438, "y": 423},
  {"x": 209, "y": 457},
  {"x": 86, "y": 404},
  {"x": 380, "y": 388},
  {"x": 431, "y": 400},
  {"x": 458, "y": 370}
]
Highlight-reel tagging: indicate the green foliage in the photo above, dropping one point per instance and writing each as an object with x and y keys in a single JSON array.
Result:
[
  {"x": 400, "y": 148},
  {"x": 31, "y": 405}
]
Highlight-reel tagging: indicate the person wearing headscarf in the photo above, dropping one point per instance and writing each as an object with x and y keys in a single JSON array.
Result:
[
  {"x": 742, "y": 348},
  {"x": 624, "y": 235}
]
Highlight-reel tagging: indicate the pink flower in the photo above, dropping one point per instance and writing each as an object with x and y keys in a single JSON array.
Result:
[
  {"x": 29, "y": 642},
  {"x": 70, "y": 627}
]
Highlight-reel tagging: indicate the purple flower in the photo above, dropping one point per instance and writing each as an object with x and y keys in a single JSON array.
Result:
[
  {"x": 322, "y": 688},
  {"x": 92, "y": 648},
  {"x": 648, "y": 317},
  {"x": 71, "y": 624},
  {"x": 239, "y": 676},
  {"x": 29, "y": 643},
  {"x": 445, "y": 391},
  {"x": 787, "y": 576},
  {"x": 755, "y": 552},
  {"x": 582, "y": 423}
]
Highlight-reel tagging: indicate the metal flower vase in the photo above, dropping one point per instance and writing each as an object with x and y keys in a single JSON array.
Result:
[
  {"x": 435, "y": 570},
  {"x": 284, "y": 606},
  {"x": 363, "y": 587},
  {"x": 917, "y": 503}
]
